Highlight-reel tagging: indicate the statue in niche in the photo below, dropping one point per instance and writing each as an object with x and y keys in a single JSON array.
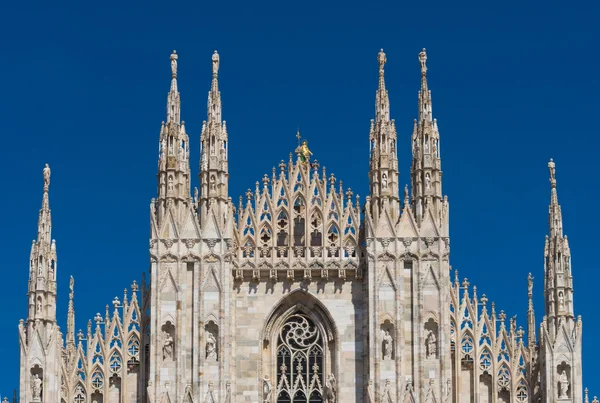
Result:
[
  {"x": 434, "y": 148},
  {"x": 561, "y": 300},
  {"x": 563, "y": 383},
  {"x": 384, "y": 181},
  {"x": 170, "y": 184},
  {"x": 431, "y": 344},
  {"x": 36, "y": 388},
  {"x": 330, "y": 389},
  {"x": 212, "y": 182},
  {"x": 168, "y": 347},
  {"x": 387, "y": 345},
  {"x": 267, "y": 389},
  {"x": 427, "y": 181},
  {"x": 39, "y": 306},
  {"x": 211, "y": 346}
]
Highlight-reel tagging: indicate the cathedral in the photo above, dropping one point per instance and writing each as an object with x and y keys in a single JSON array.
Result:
[{"x": 300, "y": 291}]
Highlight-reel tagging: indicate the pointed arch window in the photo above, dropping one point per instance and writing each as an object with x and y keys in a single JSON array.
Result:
[
  {"x": 79, "y": 395},
  {"x": 299, "y": 361}
]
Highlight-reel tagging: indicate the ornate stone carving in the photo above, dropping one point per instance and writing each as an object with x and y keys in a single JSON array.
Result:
[
  {"x": 387, "y": 345},
  {"x": 563, "y": 384},
  {"x": 331, "y": 389},
  {"x": 431, "y": 345},
  {"x": 267, "y": 389},
  {"x": 167, "y": 347},
  {"x": 36, "y": 384},
  {"x": 211, "y": 346}
]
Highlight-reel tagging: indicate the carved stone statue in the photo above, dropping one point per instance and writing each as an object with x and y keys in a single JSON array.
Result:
[
  {"x": 267, "y": 389},
  {"x": 561, "y": 300},
  {"x": 36, "y": 388},
  {"x": 39, "y": 306},
  {"x": 330, "y": 389},
  {"x": 215, "y": 63},
  {"x": 423, "y": 61},
  {"x": 387, "y": 345},
  {"x": 384, "y": 181},
  {"x": 530, "y": 284},
  {"x": 381, "y": 59},
  {"x": 174, "y": 64},
  {"x": 211, "y": 346},
  {"x": 168, "y": 347},
  {"x": 427, "y": 181},
  {"x": 563, "y": 383},
  {"x": 46, "y": 172},
  {"x": 431, "y": 342}
]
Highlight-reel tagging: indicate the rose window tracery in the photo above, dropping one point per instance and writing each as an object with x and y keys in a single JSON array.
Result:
[{"x": 299, "y": 361}]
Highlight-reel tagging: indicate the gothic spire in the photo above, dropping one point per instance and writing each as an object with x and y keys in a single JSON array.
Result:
[
  {"x": 173, "y": 100},
  {"x": 214, "y": 170},
  {"x": 173, "y": 165},
  {"x": 558, "y": 291},
  {"x": 71, "y": 315},
  {"x": 425, "y": 107},
  {"x": 382, "y": 102},
  {"x": 530, "y": 313},
  {"x": 44, "y": 220},
  {"x": 42, "y": 270},
  {"x": 384, "y": 160},
  {"x": 554, "y": 214},
  {"x": 214, "y": 96},
  {"x": 426, "y": 173}
]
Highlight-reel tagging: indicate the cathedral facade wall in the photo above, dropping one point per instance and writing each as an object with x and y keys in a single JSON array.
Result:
[{"x": 262, "y": 310}]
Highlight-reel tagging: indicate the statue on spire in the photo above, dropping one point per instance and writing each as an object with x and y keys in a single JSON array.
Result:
[
  {"x": 72, "y": 287},
  {"x": 215, "y": 63},
  {"x": 174, "y": 64},
  {"x": 381, "y": 59},
  {"x": 552, "y": 169},
  {"x": 46, "y": 172},
  {"x": 423, "y": 61}
]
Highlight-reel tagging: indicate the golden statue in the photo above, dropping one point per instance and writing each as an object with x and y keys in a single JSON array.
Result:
[{"x": 304, "y": 152}]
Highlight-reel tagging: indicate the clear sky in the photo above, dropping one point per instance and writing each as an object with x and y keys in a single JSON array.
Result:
[{"x": 85, "y": 85}]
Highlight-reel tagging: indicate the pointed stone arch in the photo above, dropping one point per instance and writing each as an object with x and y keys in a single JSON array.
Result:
[{"x": 299, "y": 302}]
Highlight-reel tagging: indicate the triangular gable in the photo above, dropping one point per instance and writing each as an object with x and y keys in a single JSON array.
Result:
[
  {"x": 210, "y": 228},
  {"x": 386, "y": 278},
  {"x": 407, "y": 226},
  {"x": 211, "y": 283},
  {"x": 190, "y": 228},
  {"x": 168, "y": 282},
  {"x": 169, "y": 229},
  {"x": 430, "y": 278},
  {"x": 428, "y": 226},
  {"x": 385, "y": 226}
]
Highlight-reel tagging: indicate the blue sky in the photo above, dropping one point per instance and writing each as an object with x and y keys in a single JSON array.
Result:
[{"x": 85, "y": 86}]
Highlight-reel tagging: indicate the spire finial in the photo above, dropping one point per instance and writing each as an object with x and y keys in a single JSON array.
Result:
[
  {"x": 174, "y": 64},
  {"x": 381, "y": 59},
  {"x": 46, "y": 172},
  {"x": 423, "y": 61},
  {"x": 552, "y": 169},
  {"x": 72, "y": 288},
  {"x": 215, "y": 64}
]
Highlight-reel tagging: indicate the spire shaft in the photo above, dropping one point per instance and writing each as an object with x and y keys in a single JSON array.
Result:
[
  {"x": 214, "y": 96},
  {"x": 426, "y": 173},
  {"x": 214, "y": 169},
  {"x": 384, "y": 159},
  {"x": 173, "y": 166},
  {"x": 558, "y": 291},
  {"x": 71, "y": 315}
]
